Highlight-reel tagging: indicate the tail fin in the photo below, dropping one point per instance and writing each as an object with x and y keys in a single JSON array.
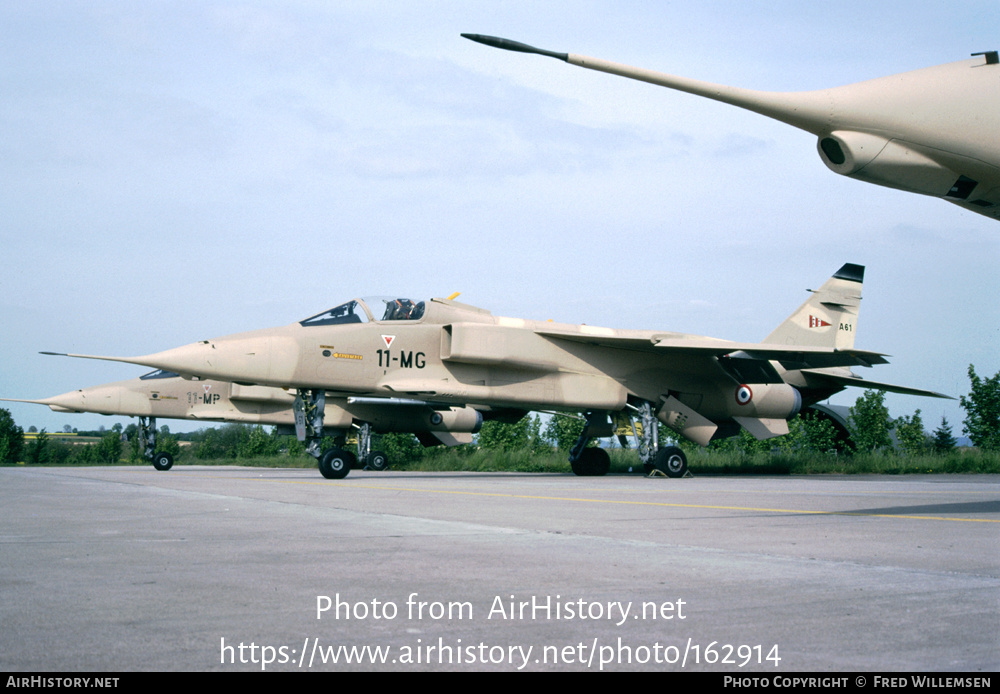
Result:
[{"x": 829, "y": 318}]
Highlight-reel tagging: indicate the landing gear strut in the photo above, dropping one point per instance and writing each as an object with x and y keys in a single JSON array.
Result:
[
  {"x": 671, "y": 460},
  {"x": 308, "y": 409},
  {"x": 147, "y": 437},
  {"x": 372, "y": 460}
]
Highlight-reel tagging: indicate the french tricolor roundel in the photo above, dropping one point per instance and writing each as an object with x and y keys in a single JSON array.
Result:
[
  {"x": 387, "y": 339},
  {"x": 744, "y": 395}
]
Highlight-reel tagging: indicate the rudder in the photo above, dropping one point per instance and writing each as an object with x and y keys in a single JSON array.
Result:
[{"x": 828, "y": 318}]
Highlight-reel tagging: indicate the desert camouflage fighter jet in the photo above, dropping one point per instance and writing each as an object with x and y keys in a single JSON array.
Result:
[
  {"x": 165, "y": 394},
  {"x": 930, "y": 131},
  {"x": 443, "y": 351}
]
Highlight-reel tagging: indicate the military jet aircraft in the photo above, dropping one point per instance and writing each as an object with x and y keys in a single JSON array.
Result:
[
  {"x": 444, "y": 351},
  {"x": 931, "y": 131},
  {"x": 165, "y": 394}
]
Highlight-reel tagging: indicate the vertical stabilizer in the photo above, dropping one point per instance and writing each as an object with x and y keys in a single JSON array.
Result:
[{"x": 829, "y": 318}]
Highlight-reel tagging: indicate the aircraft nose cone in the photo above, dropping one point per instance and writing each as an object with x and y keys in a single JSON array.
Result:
[
  {"x": 97, "y": 399},
  {"x": 261, "y": 359}
]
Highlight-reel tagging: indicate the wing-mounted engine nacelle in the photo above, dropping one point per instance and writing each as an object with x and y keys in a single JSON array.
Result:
[{"x": 890, "y": 163}]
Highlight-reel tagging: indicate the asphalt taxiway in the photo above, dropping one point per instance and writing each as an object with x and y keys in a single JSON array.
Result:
[{"x": 233, "y": 569}]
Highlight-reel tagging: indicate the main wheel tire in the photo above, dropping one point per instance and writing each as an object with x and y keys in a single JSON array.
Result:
[
  {"x": 377, "y": 460},
  {"x": 600, "y": 461},
  {"x": 593, "y": 462},
  {"x": 671, "y": 461},
  {"x": 163, "y": 461},
  {"x": 352, "y": 460},
  {"x": 335, "y": 464}
]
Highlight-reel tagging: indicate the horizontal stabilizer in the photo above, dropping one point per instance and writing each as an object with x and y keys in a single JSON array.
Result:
[{"x": 857, "y": 382}]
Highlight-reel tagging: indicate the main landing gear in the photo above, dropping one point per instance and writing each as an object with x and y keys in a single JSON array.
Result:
[
  {"x": 335, "y": 463},
  {"x": 591, "y": 462},
  {"x": 147, "y": 436},
  {"x": 373, "y": 460},
  {"x": 669, "y": 460}
]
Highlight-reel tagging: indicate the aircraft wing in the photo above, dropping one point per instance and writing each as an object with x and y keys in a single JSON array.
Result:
[{"x": 789, "y": 356}]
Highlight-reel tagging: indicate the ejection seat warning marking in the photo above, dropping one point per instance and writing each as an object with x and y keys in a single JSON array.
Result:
[{"x": 387, "y": 339}]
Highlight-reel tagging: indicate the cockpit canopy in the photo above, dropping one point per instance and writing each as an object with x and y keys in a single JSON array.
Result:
[
  {"x": 159, "y": 373},
  {"x": 378, "y": 308}
]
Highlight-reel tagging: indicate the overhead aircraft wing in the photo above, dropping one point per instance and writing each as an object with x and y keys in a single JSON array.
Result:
[
  {"x": 858, "y": 382},
  {"x": 789, "y": 356}
]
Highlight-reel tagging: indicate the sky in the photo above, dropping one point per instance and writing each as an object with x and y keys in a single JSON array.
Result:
[{"x": 176, "y": 171}]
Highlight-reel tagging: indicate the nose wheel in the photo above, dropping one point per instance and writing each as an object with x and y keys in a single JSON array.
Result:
[
  {"x": 308, "y": 409},
  {"x": 163, "y": 461},
  {"x": 147, "y": 436}
]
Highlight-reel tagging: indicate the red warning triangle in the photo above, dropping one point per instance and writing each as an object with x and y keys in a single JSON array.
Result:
[{"x": 387, "y": 339}]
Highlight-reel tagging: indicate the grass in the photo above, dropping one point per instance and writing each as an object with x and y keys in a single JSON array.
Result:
[{"x": 700, "y": 461}]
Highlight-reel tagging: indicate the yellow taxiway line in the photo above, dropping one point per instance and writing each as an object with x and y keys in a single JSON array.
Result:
[{"x": 643, "y": 503}]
